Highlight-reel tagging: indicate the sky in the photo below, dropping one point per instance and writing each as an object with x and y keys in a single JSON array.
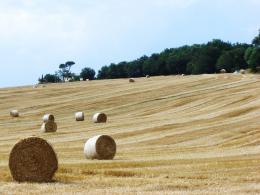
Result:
[{"x": 38, "y": 35}]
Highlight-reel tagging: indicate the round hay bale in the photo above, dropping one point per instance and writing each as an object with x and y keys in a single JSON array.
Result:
[
  {"x": 101, "y": 147},
  {"x": 33, "y": 160},
  {"x": 147, "y": 76},
  {"x": 131, "y": 80},
  {"x": 48, "y": 117},
  {"x": 14, "y": 113},
  {"x": 99, "y": 118},
  {"x": 49, "y": 127},
  {"x": 223, "y": 71},
  {"x": 242, "y": 71},
  {"x": 79, "y": 116}
]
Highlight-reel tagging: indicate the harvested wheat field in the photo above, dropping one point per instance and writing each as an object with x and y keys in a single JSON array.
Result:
[{"x": 174, "y": 135}]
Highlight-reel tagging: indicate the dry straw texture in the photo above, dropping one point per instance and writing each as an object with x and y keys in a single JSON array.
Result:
[
  {"x": 102, "y": 147},
  {"x": 197, "y": 134},
  {"x": 100, "y": 118},
  {"x": 33, "y": 160},
  {"x": 14, "y": 113},
  {"x": 79, "y": 116}
]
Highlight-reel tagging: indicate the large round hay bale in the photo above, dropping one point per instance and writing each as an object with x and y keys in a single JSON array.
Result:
[
  {"x": 131, "y": 80},
  {"x": 101, "y": 147},
  {"x": 14, "y": 113},
  {"x": 49, "y": 127},
  {"x": 48, "y": 117},
  {"x": 147, "y": 76},
  {"x": 33, "y": 160},
  {"x": 223, "y": 71},
  {"x": 79, "y": 116},
  {"x": 99, "y": 118},
  {"x": 242, "y": 71}
]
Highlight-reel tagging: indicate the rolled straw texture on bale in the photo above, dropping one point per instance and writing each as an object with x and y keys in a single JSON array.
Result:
[
  {"x": 33, "y": 160},
  {"x": 48, "y": 117},
  {"x": 79, "y": 116},
  {"x": 14, "y": 113},
  {"x": 101, "y": 147},
  {"x": 131, "y": 80},
  {"x": 242, "y": 71},
  {"x": 223, "y": 71},
  {"x": 48, "y": 127},
  {"x": 99, "y": 118}
]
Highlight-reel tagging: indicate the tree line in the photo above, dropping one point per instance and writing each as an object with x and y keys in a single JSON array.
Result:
[
  {"x": 195, "y": 59},
  {"x": 64, "y": 74}
]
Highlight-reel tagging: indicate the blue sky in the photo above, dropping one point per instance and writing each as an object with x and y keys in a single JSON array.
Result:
[{"x": 38, "y": 35}]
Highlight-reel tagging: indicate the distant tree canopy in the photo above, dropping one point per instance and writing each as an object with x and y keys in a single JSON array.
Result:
[
  {"x": 49, "y": 78},
  {"x": 252, "y": 57},
  {"x": 65, "y": 69},
  {"x": 87, "y": 73},
  {"x": 195, "y": 59}
]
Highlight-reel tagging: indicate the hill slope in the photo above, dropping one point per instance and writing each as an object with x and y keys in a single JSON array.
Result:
[{"x": 196, "y": 134}]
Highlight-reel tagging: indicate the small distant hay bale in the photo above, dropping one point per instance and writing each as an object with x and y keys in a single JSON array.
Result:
[
  {"x": 101, "y": 147},
  {"x": 131, "y": 80},
  {"x": 33, "y": 160},
  {"x": 49, "y": 127},
  {"x": 242, "y": 71},
  {"x": 182, "y": 75},
  {"x": 99, "y": 118},
  {"x": 79, "y": 116},
  {"x": 48, "y": 117},
  {"x": 14, "y": 113},
  {"x": 81, "y": 79},
  {"x": 147, "y": 76},
  {"x": 236, "y": 72},
  {"x": 223, "y": 71}
]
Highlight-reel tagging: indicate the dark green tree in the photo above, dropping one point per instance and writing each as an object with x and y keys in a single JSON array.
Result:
[
  {"x": 204, "y": 60},
  {"x": 225, "y": 61},
  {"x": 252, "y": 57},
  {"x": 232, "y": 60},
  {"x": 87, "y": 73},
  {"x": 152, "y": 65},
  {"x": 50, "y": 78},
  {"x": 103, "y": 73},
  {"x": 65, "y": 69}
]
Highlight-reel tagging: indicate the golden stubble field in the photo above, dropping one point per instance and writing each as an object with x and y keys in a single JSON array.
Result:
[{"x": 175, "y": 135}]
